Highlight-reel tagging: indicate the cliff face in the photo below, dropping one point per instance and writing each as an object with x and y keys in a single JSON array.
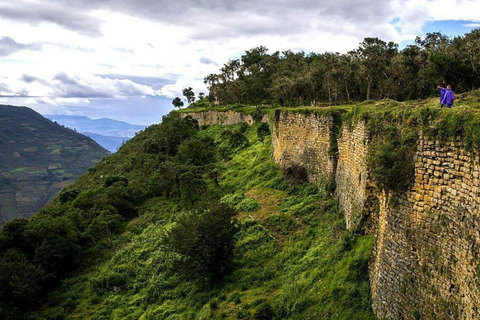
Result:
[{"x": 427, "y": 252}]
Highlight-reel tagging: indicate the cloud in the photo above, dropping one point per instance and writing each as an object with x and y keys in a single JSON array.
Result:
[
  {"x": 65, "y": 89},
  {"x": 57, "y": 12},
  {"x": 8, "y": 46},
  {"x": 216, "y": 19},
  {"x": 66, "y": 86},
  {"x": 4, "y": 90},
  {"x": 155, "y": 83},
  {"x": 206, "y": 60},
  {"x": 31, "y": 79},
  {"x": 472, "y": 25}
]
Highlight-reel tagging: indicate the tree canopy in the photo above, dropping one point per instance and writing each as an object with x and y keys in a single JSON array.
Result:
[{"x": 375, "y": 70}]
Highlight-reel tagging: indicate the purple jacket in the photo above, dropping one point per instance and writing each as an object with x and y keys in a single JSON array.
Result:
[{"x": 446, "y": 96}]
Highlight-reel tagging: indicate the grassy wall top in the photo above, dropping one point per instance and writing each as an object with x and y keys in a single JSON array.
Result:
[{"x": 460, "y": 122}]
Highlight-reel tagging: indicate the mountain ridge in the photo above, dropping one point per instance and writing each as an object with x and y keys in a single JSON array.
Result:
[
  {"x": 109, "y": 133},
  {"x": 39, "y": 159}
]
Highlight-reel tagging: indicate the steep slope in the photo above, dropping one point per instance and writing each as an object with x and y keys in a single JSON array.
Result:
[
  {"x": 293, "y": 257},
  {"x": 104, "y": 238},
  {"x": 39, "y": 158}
]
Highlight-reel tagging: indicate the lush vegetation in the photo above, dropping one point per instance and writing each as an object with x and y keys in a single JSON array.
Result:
[
  {"x": 152, "y": 232},
  {"x": 375, "y": 70}
]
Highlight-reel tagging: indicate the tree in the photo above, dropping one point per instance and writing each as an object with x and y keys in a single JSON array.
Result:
[
  {"x": 202, "y": 243},
  {"x": 177, "y": 102},
  {"x": 189, "y": 94}
]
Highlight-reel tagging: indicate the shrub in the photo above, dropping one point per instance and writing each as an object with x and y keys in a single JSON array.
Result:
[
  {"x": 105, "y": 225},
  {"x": 202, "y": 243},
  {"x": 263, "y": 131},
  {"x": 264, "y": 312},
  {"x": 197, "y": 152},
  {"x": 238, "y": 140},
  {"x": 69, "y": 195},
  {"x": 232, "y": 199},
  {"x": 110, "y": 180},
  {"x": 243, "y": 127},
  {"x": 391, "y": 159}
]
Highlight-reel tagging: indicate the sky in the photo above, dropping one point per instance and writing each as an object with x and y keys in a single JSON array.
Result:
[{"x": 128, "y": 59}]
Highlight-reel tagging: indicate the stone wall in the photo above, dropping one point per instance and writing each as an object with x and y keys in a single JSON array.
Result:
[
  {"x": 353, "y": 180},
  {"x": 427, "y": 251},
  {"x": 306, "y": 141},
  {"x": 224, "y": 118},
  {"x": 428, "y": 240}
]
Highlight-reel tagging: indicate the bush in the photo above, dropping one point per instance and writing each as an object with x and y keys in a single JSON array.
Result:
[
  {"x": 391, "y": 160},
  {"x": 264, "y": 312},
  {"x": 197, "y": 152},
  {"x": 232, "y": 199},
  {"x": 263, "y": 131},
  {"x": 105, "y": 225},
  {"x": 69, "y": 195},
  {"x": 238, "y": 140},
  {"x": 202, "y": 243},
  {"x": 248, "y": 205},
  {"x": 243, "y": 127},
  {"x": 110, "y": 180}
]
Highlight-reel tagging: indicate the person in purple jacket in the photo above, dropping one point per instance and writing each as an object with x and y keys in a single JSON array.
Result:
[{"x": 446, "y": 97}]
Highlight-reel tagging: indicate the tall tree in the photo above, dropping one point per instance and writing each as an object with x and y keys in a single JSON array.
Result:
[
  {"x": 177, "y": 102},
  {"x": 189, "y": 94}
]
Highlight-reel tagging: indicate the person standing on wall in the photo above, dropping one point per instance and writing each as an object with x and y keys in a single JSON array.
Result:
[{"x": 446, "y": 96}]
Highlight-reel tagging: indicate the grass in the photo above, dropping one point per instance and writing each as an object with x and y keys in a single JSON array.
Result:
[{"x": 293, "y": 257}]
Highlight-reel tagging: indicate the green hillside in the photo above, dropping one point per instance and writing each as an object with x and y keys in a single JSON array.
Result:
[
  {"x": 150, "y": 233},
  {"x": 39, "y": 158}
]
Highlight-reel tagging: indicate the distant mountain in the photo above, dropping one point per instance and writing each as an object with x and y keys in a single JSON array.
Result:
[
  {"x": 38, "y": 159},
  {"x": 103, "y": 126},
  {"x": 110, "y": 143}
]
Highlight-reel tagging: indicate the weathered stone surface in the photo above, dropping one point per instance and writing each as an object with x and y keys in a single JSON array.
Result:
[
  {"x": 223, "y": 118},
  {"x": 305, "y": 140},
  {"x": 353, "y": 178},
  {"x": 428, "y": 245}
]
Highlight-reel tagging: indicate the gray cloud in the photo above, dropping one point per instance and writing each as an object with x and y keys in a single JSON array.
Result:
[
  {"x": 65, "y": 86},
  {"x": 154, "y": 82},
  {"x": 8, "y": 46},
  {"x": 206, "y": 60},
  {"x": 58, "y": 12},
  {"x": 31, "y": 79},
  {"x": 4, "y": 88},
  {"x": 69, "y": 87},
  {"x": 213, "y": 19}
]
